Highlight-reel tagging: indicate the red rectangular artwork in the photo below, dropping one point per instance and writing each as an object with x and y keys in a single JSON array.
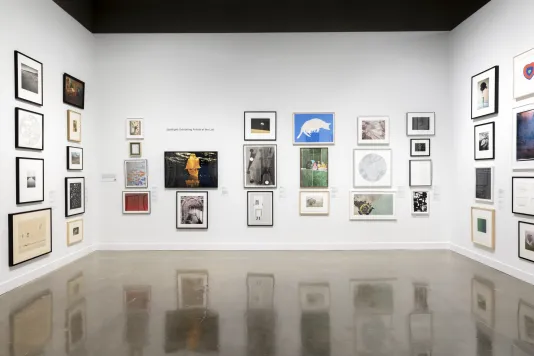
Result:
[{"x": 136, "y": 202}]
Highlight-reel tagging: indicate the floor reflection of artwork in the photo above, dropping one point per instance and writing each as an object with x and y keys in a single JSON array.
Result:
[
  {"x": 192, "y": 289},
  {"x": 526, "y": 322},
  {"x": 314, "y": 297},
  {"x": 373, "y": 334},
  {"x": 522, "y": 348},
  {"x": 195, "y": 331},
  {"x": 484, "y": 340},
  {"x": 260, "y": 288},
  {"x": 261, "y": 325},
  {"x": 191, "y": 170},
  {"x": 315, "y": 334},
  {"x": 483, "y": 301},
  {"x": 76, "y": 326},
  {"x": 372, "y": 296}
]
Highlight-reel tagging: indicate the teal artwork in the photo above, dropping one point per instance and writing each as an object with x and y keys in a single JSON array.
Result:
[{"x": 481, "y": 225}]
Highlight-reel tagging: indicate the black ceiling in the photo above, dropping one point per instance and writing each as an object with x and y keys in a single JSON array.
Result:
[{"x": 218, "y": 16}]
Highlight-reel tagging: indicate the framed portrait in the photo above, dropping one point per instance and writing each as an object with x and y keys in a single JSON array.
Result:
[
  {"x": 137, "y": 299},
  {"x": 76, "y": 326},
  {"x": 74, "y": 126},
  {"x": 483, "y": 227},
  {"x": 30, "y": 235},
  {"x": 259, "y": 166},
  {"x": 314, "y": 297},
  {"x": 260, "y": 125},
  {"x": 526, "y": 240},
  {"x": 260, "y": 291},
  {"x": 74, "y": 196},
  {"x": 28, "y": 79},
  {"x": 73, "y": 91},
  {"x": 135, "y": 149},
  {"x": 484, "y": 184},
  {"x": 372, "y": 205},
  {"x": 135, "y": 129},
  {"x": 420, "y": 200},
  {"x": 30, "y": 180},
  {"x": 484, "y": 141},
  {"x": 136, "y": 202},
  {"x": 420, "y": 147},
  {"x": 483, "y": 300},
  {"x": 372, "y": 296},
  {"x": 314, "y": 167},
  {"x": 420, "y": 173},
  {"x": 485, "y": 93},
  {"x": 314, "y": 202},
  {"x": 74, "y": 158},
  {"x": 136, "y": 173},
  {"x": 29, "y": 130},
  {"x": 74, "y": 231},
  {"x": 191, "y": 210},
  {"x": 373, "y": 130},
  {"x": 76, "y": 288},
  {"x": 525, "y": 319},
  {"x": 192, "y": 289},
  {"x": 522, "y": 140},
  {"x": 523, "y": 74},
  {"x": 260, "y": 208},
  {"x": 372, "y": 167},
  {"x": 191, "y": 169},
  {"x": 313, "y": 128},
  {"x": 523, "y": 195},
  {"x": 420, "y": 124}
]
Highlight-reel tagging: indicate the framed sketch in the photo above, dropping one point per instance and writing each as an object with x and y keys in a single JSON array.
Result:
[
  {"x": 74, "y": 126},
  {"x": 523, "y": 140},
  {"x": 483, "y": 301},
  {"x": 314, "y": 167},
  {"x": 525, "y": 318},
  {"x": 372, "y": 205},
  {"x": 420, "y": 124},
  {"x": 30, "y": 180},
  {"x": 483, "y": 227},
  {"x": 29, "y": 130},
  {"x": 135, "y": 129},
  {"x": 314, "y": 202},
  {"x": 526, "y": 240},
  {"x": 372, "y": 296},
  {"x": 484, "y": 141},
  {"x": 136, "y": 173},
  {"x": 420, "y": 147},
  {"x": 523, "y": 74},
  {"x": 192, "y": 210},
  {"x": 314, "y": 297},
  {"x": 76, "y": 288},
  {"x": 420, "y": 173},
  {"x": 135, "y": 149},
  {"x": 260, "y": 125},
  {"x": 73, "y": 91},
  {"x": 74, "y": 231},
  {"x": 259, "y": 166},
  {"x": 136, "y": 202},
  {"x": 420, "y": 200},
  {"x": 76, "y": 326},
  {"x": 74, "y": 158},
  {"x": 372, "y": 167},
  {"x": 30, "y": 235},
  {"x": 28, "y": 79},
  {"x": 260, "y": 291},
  {"x": 137, "y": 299},
  {"x": 485, "y": 93},
  {"x": 373, "y": 130},
  {"x": 74, "y": 196},
  {"x": 313, "y": 128},
  {"x": 192, "y": 289},
  {"x": 260, "y": 208},
  {"x": 523, "y": 195},
  {"x": 191, "y": 169},
  {"x": 484, "y": 184}
]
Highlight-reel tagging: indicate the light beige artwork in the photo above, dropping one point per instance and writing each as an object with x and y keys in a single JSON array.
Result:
[
  {"x": 74, "y": 126},
  {"x": 32, "y": 235},
  {"x": 74, "y": 231}
]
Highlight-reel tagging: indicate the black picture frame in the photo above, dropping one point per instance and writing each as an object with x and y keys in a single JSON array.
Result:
[
  {"x": 272, "y": 207},
  {"x": 10, "y": 236},
  {"x": 206, "y": 209},
  {"x": 519, "y": 239},
  {"x": 66, "y": 98},
  {"x": 475, "y": 141},
  {"x": 246, "y": 161},
  {"x": 496, "y": 111},
  {"x": 67, "y": 196},
  {"x": 419, "y": 139},
  {"x": 17, "y": 117},
  {"x": 17, "y": 170},
  {"x": 68, "y": 159},
  {"x": 260, "y": 112},
  {"x": 17, "y": 94}
]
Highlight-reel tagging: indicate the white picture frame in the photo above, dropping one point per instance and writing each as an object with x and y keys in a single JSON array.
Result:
[
  {"x": 136, "y": 173},
  {"x": 420, "y": 173},
  {"x": 372, "y": 205},
  {"x": 420, "y": 124},
  {"x": 522, "y": 157},
  {"x": 373, "y": 130},
  {"x": 523, "y": 75},
  {"x": 135, "y": 129},
  {"x": 260, "y": 126},
  {"x": 372, "y": 167},
  {"x": 420, "y": 202},
  {"x": 523, "y": 195},
  {"x": 484, "y": 184},
  {"x": 483, "y": 227},
  {"x": 314, "y": 202},
  {"x": 485, "y": 93}
]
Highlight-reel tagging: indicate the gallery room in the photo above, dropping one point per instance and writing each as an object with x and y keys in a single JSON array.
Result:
[{"x": 303, "y": 178}]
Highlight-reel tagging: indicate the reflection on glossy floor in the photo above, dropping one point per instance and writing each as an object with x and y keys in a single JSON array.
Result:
[{"x": 270, "y": 303}]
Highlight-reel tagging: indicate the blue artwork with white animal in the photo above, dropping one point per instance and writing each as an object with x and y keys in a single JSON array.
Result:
[{"x": 313, "y": 128}]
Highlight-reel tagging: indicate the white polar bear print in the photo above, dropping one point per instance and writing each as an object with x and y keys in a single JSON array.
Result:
[{"x": 313, "y": 125}]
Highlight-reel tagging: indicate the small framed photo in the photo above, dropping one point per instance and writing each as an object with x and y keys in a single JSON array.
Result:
[
  {"x": 484, "y": 141},
  {"x": 192, "y": 289},
  {"x": 259, "y": 166},
  {"x": 420, "y": 124},
  {"x": 484, "y": 184},
  {"x": 29, "y": 128},
  {"x": 259, "y": 208},
  {"x": 260, "y": 125},
  {"x": 420, "y": 199},
  {"x": 373, "y": 130},
  {"x": 523, "y": 195},
  {"x": 372, "y": 167},
  {"x": 526, "y": 240},
  {"x": 135, "y": 149},
  {"x": 30, "y": 180},
  {"x": 313, "y": 128},
  {"x": 74, "y": 126},
  {"x": 74, "y": 231},
  {"x": 420, "y": 147},
  {"x": 73, "y": 91},
  {"x": 74, "y": 196},
  {"x": 483, "y": 301},
  {"x": 314, "y": 202},
  {"x": 523, "y": 74},
  {"x": 523, "y": 140},
  {"x": 191, "y": 210},
  {"x": 314, "y": 297},
  {"x": 136, "y": 173},
  {"x": 135, "y": 129},
  {"x": 260, "y": 291},
  {"x": 525, "y": 315},
  {"x": 421, "y": 173},
  {"x": 74, "y": 158},
  {"x": 314, "y": 167},
  {"x": 369, "y": 205},
  {"x": 28, "y": 79},
  {"x": 76, "y": 326},
  {"x": 136, "y": 202},
  {"x": 485, "y": 93},
  {"x": 483, "y": 227}
]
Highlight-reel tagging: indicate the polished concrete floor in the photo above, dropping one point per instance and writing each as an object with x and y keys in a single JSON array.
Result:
[{"x": 270, "y": 303}]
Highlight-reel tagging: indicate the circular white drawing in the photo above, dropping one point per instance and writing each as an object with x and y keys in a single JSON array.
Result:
[{"x": 372, "y": 167}]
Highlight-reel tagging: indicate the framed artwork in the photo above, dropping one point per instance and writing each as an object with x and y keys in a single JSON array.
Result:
[
  {"x": 523, "y": 74},
  {"x": 420, "y": 199},
  {"x": 136, "y": 202},
  {"x": 74, "y": 126},
  {"x": 314, "y": 202},
  {"x": 420, "y": 147},
  {"x": 137, "y": 299},
  {"x": 74, "y": 158},
  {"x": 373, "y": 130},
  {"x": 136, "y": 173},
  {"x": 28, "y": 79},
  {"x": 191, "y": 169},
  {"x": 525, "y": 320},
  {"x": 29, "y": 130},
  {"x": 192, "y": 210},
  {"x": 483, "y": 227},
  {"x": 259, "y": 166},
  {"x": 30, "y": 235},
  {"x": 314, "y": 297},
  {"x": 192, "y": 289},
  {"x": 523, "y": 195},
  {"x": 73, "y": 91},
  {"x": 372, "y": 167},
  {"x": 420, "y": 124},
  {"x": 313, "y": 128},
  {"x": 523, "y": 140},
  {"x": 484, "y": 184},
  {"x": 372, "y": 205},
  {"x": 30, "y": 180},
  {"x": 74, "y": 196},
  {"x": 484, "y": 141},
  {"x": 135, "y": 149},
  {"x": 526, "y": 240},
  {"x": 483, "y": 301},
  {"x": 260, "y": 291},
  {"x": 421, "y": 173},
  {"x": 485, "y": 93},
  {"x": 74, "y": 231},
  {"x": 372, "y": 296},
  {"x": 135, "y": 129},
  {"x": 76, "y": 288},
  {"x": 260, "y": 125},
  {"x": 260, "y": 208},
  {"x": 76, "y": 326},
  {"x": 314, "y": 167}
]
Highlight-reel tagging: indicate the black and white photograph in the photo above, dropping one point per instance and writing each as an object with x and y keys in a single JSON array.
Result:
[
  {"x": 74, "y": 158},
  {"x": 74, "y": 196},
  {"x": 260, "y": 125},
  {"x": 420, "y": 202},
  {"x": 523, "y": 195},
  {"x": 484, "y": 184},
  {"x": 259, "y": 166},
  {"x": 526, "y": 240},
  {"x": 484, "y": 141},
  {"x": 420, "y": 147},
  {"x": 30, "y": 180},
  {"x": 28, "y": 79},
  {"x": 314, "y": 202},
  {"x": 373, "y": 130},
  {"x": 420, "y": 124},
  {"x": 259, "y": 208},
  {"x": 191, "y": 210},
  {"x": 29, "y": 130},
  {"x": 485, "y": 93},
  {"x": 420, "y": 173}
]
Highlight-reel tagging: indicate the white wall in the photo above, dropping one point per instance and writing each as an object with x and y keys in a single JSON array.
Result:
[{"x": 42, "y": 30}]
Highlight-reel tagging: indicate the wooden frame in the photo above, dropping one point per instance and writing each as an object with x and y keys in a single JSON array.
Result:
[
  {"x": 65, "y": 95},
  {"x": 492, "y": 242},
  {"x": 17, "y": 132},
  {"x": 70, "y": 223},
  {"x": 70, "y": 123},
  {"x": 13, "y": 232}
]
